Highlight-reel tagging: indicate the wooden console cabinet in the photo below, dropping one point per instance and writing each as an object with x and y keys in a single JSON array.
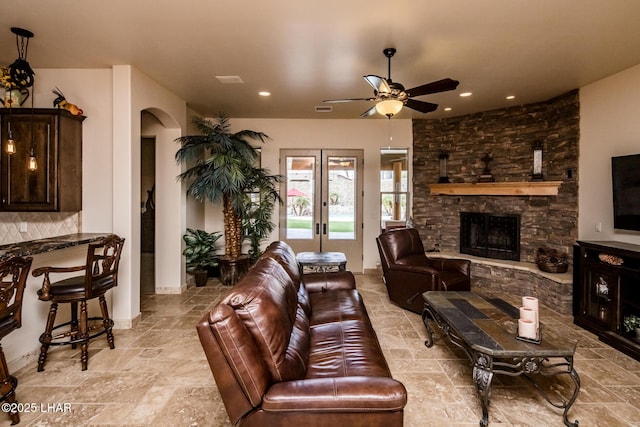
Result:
[
  {"x": 606, "y": 288},
  {"x": 56, "y": 137}
]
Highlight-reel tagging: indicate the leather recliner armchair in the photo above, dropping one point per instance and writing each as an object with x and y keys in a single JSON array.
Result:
[{"x": 408, "y": 272}]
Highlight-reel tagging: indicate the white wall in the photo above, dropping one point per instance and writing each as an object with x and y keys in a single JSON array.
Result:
[
  {"x": 134, "y": 92},
  {"x": 367, "y": 134},
  {"x": 609, "y": 126}
]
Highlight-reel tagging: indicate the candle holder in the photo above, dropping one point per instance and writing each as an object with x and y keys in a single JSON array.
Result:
[
  {"x": 443, "y": 157},
  {"x": 537, "y": 340}
]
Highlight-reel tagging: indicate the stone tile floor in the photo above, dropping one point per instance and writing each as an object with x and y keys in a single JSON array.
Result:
[{"x": 158, "y": 376}]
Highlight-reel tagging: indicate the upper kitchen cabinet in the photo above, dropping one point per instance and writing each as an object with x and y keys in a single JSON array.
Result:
[{"x": 54, "y": 137}]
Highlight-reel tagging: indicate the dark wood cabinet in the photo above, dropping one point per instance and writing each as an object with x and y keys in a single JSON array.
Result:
[
  {"x": 606, "y": 288},
  {"x": 55, "y": 136}
]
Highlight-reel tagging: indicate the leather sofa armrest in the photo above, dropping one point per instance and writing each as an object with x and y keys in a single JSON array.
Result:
[
  {"x": 461, "y": 265},
  {"x": 334, "y": 280},
  {"x": 336, "y": 394}
]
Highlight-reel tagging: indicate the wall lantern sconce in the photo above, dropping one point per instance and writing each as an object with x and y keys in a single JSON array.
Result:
[
  {"x": 537, "y": 161},
  {"x": 443, "y": 157}
]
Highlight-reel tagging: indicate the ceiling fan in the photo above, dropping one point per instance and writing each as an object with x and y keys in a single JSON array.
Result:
[{"x": 390, "y": 96}]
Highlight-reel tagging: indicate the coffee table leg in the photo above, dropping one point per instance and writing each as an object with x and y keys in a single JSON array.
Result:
[
  {"x": 576, "y": 381},
  {"x": 426, "y": 313},
  {"x": 482, "y": 376}
]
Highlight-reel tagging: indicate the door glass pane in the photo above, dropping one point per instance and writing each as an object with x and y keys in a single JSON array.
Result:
[
  {"x": 341, "y": 198},
  {"x": 300, "y": 197},
  {"x": 394, "y": 184}
]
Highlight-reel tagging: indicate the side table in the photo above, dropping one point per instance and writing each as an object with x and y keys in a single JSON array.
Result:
[{"x": 314, "y": 262}]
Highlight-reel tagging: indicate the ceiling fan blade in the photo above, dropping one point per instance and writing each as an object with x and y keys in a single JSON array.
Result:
[
  {"x": 370, "y": 112},
  {"x": 379, "y": 84},
  {"x": 348, "y": 100},
  {"x": 433, "y": 87},
  {"x": 421, "y": 106}
]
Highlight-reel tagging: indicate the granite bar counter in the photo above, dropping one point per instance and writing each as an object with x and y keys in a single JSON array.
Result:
[{"x": 39, "y": 246}]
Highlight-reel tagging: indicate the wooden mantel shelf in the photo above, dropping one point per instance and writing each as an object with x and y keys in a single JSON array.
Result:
[{"x": 542, "y": 188}]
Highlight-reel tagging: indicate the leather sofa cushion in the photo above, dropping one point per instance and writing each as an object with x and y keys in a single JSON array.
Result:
[
  {"x": 266, "y": 300},
  {"x": 336, "y": 306},
  {"x": 345, "y": 349}
]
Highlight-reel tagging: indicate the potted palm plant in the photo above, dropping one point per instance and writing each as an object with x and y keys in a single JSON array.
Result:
[
  {"x": 631, "y": 323},
  {"x": 200, "y": 253},
  {"x": 222, "y": 167}
]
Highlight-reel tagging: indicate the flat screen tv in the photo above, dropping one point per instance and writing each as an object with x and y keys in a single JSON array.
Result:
[{"x": 626, "y": 192}]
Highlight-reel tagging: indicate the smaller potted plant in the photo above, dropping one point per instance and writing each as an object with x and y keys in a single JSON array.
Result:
[
  {"x": 200, "y": 253},
  {"x": 631, "y": 323}
]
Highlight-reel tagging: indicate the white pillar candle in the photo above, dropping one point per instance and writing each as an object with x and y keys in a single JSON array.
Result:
[
  {"x": 527, "y": 329},
  {"x": 532, "y": 303},
  {"x": 527, "y": 313}
]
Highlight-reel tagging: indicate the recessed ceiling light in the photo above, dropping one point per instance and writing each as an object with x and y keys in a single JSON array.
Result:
[
  {"x": 264, "y": 93},
  {"x": 511, "y": 97},
  {"x": 447, "y": 108},
  {"x": 465, "y": 94},
  {"x": 229, "y": 79}
]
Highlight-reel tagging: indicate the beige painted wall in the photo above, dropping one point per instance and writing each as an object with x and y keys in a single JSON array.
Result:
[
  {"x": 609, "y": 126},
  {"x": 367, "y": 134}
]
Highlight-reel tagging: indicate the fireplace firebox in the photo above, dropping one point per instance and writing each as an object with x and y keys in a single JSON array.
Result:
[{"x": 490, "y": 235}]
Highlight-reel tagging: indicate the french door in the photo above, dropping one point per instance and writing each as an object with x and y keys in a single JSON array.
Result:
[{"x": 323, "y": 194}]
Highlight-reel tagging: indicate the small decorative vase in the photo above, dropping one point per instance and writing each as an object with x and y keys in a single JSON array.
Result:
[{"x": 13, "y": 98}]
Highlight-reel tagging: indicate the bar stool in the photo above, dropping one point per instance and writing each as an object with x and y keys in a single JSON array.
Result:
[
  {"x": 100, "y": 275},
  {"x": 13, "y": 276}
]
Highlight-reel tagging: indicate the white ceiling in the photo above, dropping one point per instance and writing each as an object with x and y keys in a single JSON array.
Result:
[{"x": 303, "y": 52}]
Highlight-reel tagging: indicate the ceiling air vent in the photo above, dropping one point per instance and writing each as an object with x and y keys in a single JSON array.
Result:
[
  {"x": 324, "y": 108},
  {"x": 228, "y": 80}
]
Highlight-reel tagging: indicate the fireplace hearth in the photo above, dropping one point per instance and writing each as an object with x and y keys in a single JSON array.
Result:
[{"x": 490, "y": 235}]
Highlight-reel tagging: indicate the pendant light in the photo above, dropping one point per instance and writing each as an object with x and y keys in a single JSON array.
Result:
[
  {"x": 33, "y": 163},
  {"x": 11, "y": 144}
]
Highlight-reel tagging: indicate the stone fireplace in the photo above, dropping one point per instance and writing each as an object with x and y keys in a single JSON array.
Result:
[
  {"x": 508, "y": 135},
  {"x": 490, "y": 235}
]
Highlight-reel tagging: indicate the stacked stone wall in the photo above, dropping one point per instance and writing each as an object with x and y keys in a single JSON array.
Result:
[{"x": 508, "y": 136}]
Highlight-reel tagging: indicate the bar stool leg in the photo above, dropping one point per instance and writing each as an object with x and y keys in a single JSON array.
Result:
[
  {"x": 74, "y": 323},
  {"x": 84, "y": 334},
  {"x": 45, "y": 338},
  {"x": 8, "y": 387},
  {"x": 107, "y": 322}
]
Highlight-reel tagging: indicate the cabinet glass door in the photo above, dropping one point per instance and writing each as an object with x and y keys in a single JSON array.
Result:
[{"x": 601, "y": 296}]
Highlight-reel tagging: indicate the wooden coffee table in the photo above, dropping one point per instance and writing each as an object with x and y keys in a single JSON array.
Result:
[{"x": 486, "y": 330}]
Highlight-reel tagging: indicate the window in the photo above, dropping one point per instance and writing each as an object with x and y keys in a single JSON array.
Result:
[{"x": 394, "y": 185}]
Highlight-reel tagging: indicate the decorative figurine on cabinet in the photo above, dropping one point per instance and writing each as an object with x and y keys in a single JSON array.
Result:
[{"x": 61, "y": 102}]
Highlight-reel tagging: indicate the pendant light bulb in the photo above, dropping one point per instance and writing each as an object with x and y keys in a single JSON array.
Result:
[
  {"x": 11, "y": 144},
  {"x": 33, "y": 164}
]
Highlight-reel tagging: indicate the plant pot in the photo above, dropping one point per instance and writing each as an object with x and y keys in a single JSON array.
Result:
[
  {"x": 200, "y": 277},
  {"x": 232, "y": 270},
  {"x": 13, "y": 98}
]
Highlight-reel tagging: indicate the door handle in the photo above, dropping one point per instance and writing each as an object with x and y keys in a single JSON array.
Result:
[
  {"x": 324, "y": 228},
  {"x": 317, "y": 228}
]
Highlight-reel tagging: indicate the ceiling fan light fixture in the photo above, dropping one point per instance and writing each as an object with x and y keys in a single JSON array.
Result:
[{"x": 389, "y": 107}]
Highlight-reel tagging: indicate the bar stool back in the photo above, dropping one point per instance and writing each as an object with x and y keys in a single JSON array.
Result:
[
  {"x": 100, "y": 275},
  {"x": 13, "y": 277}
]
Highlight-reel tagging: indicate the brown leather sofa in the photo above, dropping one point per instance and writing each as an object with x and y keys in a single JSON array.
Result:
[
  {"x": 288, "y": 349},
  {"x": 408, "y": 272}
]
